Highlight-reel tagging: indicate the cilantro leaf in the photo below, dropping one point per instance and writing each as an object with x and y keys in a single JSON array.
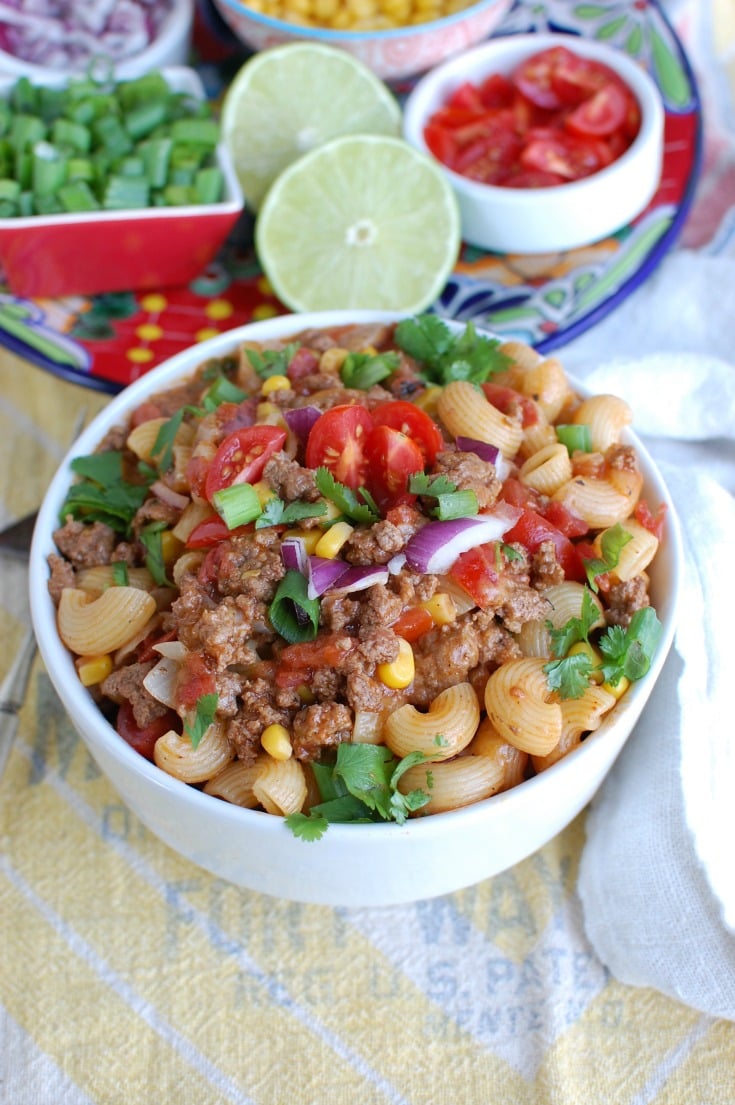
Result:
[
  {"x": 575, "y": 629},
  {"x": 629, "y": 652},
  {"x": 276, "y": 512},
  {"x": 206, "y": 708},
  {"x": 446, "y": 356},
  {"x": 345, "y": 498},
  {"x": 421, "y": 483},
  {"x": 307, "y": 827},
  {"x": 611, "y": 542},
  {"x": 271, "y": 362},
  {"x": 570, "y": 676},
  {"x": 102, "y": 494}
]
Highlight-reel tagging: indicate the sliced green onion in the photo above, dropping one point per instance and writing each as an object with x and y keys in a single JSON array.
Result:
[
  {"x": 292, "y": 613},
  {"x": 237, "y": 504},
  {"x": 78, "y": 196},
  {"x": 455, "y": 504},
  {"x": 576, "y": 438},
  {"x": 224, "y": 391}
]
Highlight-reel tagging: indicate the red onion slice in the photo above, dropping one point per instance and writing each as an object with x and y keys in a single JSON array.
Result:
[
  {"x": 357, "y": 579},
  {"x": 485, "y": 451},
  {"x": 293, "y": 555},
  {"x": 300, "y": 420},
  {"x": 322, "y": 574},
  {"x": 437, "y": 545}
]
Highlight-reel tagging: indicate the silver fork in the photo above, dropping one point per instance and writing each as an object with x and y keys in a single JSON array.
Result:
[{"x": 15, "y": 540}]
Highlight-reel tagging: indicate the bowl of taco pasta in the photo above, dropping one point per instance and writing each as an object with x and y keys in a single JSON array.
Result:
[{"x": 356, "y": 608}]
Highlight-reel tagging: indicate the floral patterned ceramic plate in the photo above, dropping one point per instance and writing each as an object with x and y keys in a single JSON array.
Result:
[{"x": 106, "y": 342}]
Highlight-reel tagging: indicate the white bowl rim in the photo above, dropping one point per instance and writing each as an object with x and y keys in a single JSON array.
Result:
[
  {"x": 640, "y": 82},
  {"x": 327, "y": 35},
  {"x": 77, "y": 701}
]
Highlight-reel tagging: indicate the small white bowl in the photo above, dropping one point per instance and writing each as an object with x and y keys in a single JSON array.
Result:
[
  {"x": 170, "y": 47},
  {"x": 352, "y": 865},
  {"x": 393, "y": 54},
  {"x": 541, "y": 220}
]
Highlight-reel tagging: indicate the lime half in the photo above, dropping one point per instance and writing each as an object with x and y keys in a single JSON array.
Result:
[
  {"x": 361, "y": 222},
  {"x": 289, "y": 99}
]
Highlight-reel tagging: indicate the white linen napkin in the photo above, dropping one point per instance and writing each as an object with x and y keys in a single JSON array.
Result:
[{"x": 657, "y": 876}]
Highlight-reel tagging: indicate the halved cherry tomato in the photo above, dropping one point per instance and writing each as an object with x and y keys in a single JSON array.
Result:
[
  {"x": 535, "y": 76},
  {"x": 337, "y": 442},
  {"x": 532, "y": 530},
  {"x": 143, "y": 739},
  {"x": 242, "y": 456},
  {"x": 412, "y": 623},
  {"x": 392, "y": 458},
  {"x": 414, "y": 423}
]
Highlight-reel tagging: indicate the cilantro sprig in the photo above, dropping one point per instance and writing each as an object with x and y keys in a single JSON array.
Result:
[
  {"x": 345, "y": 499},
  {"x": 102, "y": 494},
  {"x": 363, "y": 370},
  {"x": 362, "y": 785},
  {"x": 446, "y": 356},
  {"x": 206, "y": 708},
  {"x": 271, "y": 362},
  {"x": 276, "y": 512}
]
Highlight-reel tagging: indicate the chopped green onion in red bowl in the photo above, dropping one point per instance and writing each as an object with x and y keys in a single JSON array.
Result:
[{"x": 110, "y": 185}]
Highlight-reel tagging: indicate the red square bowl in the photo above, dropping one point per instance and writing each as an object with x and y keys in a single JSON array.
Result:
[{"x": 49, "y": 256}]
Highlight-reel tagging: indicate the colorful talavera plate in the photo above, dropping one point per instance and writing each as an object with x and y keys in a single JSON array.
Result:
[{"x": 105, "y": 342}]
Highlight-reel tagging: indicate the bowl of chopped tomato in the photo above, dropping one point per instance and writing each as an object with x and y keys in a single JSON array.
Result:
[
  {"x": 355, "y": 608},
  {"x": 550, "y": 141}
]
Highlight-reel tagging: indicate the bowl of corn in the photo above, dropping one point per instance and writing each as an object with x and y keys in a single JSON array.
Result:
[{"x": 397, "y": 39}]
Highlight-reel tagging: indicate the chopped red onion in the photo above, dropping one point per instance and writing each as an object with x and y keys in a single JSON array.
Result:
[
  {"x": 322, "y": 573},
  {"x": 357, "y": 579},
  {"x": 485, "y": 451},
  {"x": 396, "y": 563},
  {"x": 437, "y": 545},
  {"x": 300, "y": 420},
  {"x": 167, "y": 495},
  {"x": 293, "y": 555}
]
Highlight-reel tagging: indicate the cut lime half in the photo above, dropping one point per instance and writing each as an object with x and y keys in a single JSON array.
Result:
[
  {"x": 289, "y": 99},
  {"x": 361, "y": 222}
]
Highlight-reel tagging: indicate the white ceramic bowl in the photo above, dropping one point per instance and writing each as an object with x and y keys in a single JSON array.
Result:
[
  {"x": 170, "y": 47},
  {"x": 392, "y": 54},
  {"x": 352, "y": 865},
  {"x": 540, "y": 220}
]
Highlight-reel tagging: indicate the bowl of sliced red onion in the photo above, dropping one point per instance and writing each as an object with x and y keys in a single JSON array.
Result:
[
  {"x": 312, "y": 602},
  {"x": 129, "y": 38}
]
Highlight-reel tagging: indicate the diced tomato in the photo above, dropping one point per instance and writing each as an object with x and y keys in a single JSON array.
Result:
[
  {"x": 196, "y": 678},
  {"x": 304, "y": 362},
  {"x": 442, "y": 144},
  {"x": 242, "y": 456},
  {"x": 517, "y": 493},
  {"x": 414, "y": 423},
  {"x": 570, "y": 524},
  {"x": 532, "y": 530},
  {"x": 566, "y": 155},
  {"x": 337, "y": 442},
  {"x": 327, "y": 651},
  {"x": 652, "y": 522},
  {"x": 478, "y": 572},
  {"x": 143, "y": 739},
  {"x": 466, "y": 95},
  {"x": 535, "y": 76},
  {"x": 601, "y": 114},
  {"x": 412, "y": 623},
  {"x": 392, "y": 458},
  {"x": 145, "y": 413},
  {"x": 497, "y": 91},
  {"x": 211, "y": 531},
  {"x": 508, "y": 400}
]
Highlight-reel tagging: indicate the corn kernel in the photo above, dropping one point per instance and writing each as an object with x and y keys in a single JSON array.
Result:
[
  {"x": 617, "y": 690},
  {"x": 270, "y": 414},
  {"x": 275, "y": 383},
  {"x": 305, "y": 694},
  {"x": 310, "y": 537},
  {"x": 428, "y": 400},
  {"x": 276, "y": 740},
  {"x": 331, "y": 511},
  {"x": 442, "y": 608},
  {"x": 264, "y": 491},
  {"x": 398, "y": 673},
  {"x": 93, "y": 669},
  {"x": 331, "y": 542},
  {"x": 171, "y": 547},
  {"x": 332, "y": 360}
]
